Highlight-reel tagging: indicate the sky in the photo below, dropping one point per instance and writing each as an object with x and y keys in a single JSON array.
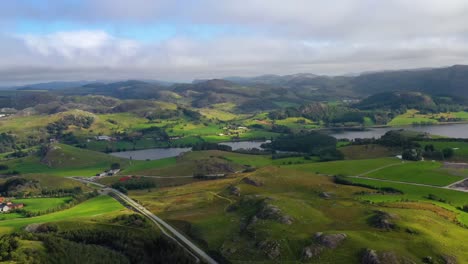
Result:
[{"x": 181, "y": 40}]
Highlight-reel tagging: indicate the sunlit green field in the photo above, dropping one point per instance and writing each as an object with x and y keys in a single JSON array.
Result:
[
  {"x": 424, "y": 172},
  {"x": 200, "y": 210},
  {"x": 42, "y": 204},
  {"x": 101, "y": 206}
]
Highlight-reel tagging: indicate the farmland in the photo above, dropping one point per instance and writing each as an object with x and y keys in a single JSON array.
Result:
[{"x": 102, "y": 206}]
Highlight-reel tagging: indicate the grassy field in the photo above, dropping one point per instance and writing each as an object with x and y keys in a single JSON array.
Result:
[
  {"x": 95, "y": 208},
  {"x": 346, "y": 167},
  {"x": 65, "y": 160},
  {"x": 460, "y": 148},
  {"x": 184, "y": 166},
  {"x": 200, "y": 209},
  {"x": 413, "y": 116},
  {"x": 453, "y": 198},
  {"x": 42, "y": 204},
  {"x": 425, "y": 172},
  {"x": 353, "y": 152}
]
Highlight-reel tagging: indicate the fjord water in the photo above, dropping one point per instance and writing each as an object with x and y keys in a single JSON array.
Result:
[{"x": 450, "y": 130}]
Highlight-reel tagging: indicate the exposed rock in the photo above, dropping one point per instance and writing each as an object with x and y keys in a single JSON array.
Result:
[
  {"x": 271, "y": 248},
  {"x": 286, "y": 219},
  {"x": 428, "y": 259},
  {"x": 370, "y": 257},
  {"x": 330, "y": 241},
  {"x": 32, "y": 227},
  {"x": 250, "y": 181},
  {"x": 311, "y": 251},
  {"x": 449, "y": 259},
  {"x": 383, "y": 220},
  {"x": 234, "y": 190},
  {"x": 269, "y": 211},
  {"x": 325, "y": 195},
  {"x": 391, "y": 258}
]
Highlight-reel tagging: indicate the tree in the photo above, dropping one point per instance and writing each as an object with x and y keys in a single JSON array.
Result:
[
  {"x": 412, "y": 154},
  {"x": 448, "y": 152},
  {"x": 115, "y": 166}
]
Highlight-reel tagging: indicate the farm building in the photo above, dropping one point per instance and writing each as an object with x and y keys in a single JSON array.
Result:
[
  {"x": 104, "y": 138},
  {"x": 6, "y": 207}
]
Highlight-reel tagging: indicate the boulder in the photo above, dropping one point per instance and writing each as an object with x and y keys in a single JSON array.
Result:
[
  {"x": 271, "y": 248},
  {"x": 383, "y": 220},
  {"x": 449, "y": 259},
  {"x": 272, "y": 212},
  {"x": 428, "y": 260},
  {"x": 311, "y": 251},
  {"x": 325, "y": 195},
  {"x": 234, "y": 190},
  {"x": 370, "y": 257},
  {"x": 253, "y": 182},
  {"x": 330, "y": 241}
]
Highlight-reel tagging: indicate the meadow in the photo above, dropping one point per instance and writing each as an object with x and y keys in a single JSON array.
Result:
[
  {"x": 460, "y": 148},
  {"x": 91, "y": 210},
  {"x": 413, "y": 116},
  {"x": 64, "y": 160},
  {"x": 424, "y": 172},
  {"x": 42, "y": 204},
  {"x": 211, "y": 216}
]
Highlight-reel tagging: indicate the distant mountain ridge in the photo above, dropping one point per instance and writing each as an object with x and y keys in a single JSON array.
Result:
[{"x": 294, "y": 88}]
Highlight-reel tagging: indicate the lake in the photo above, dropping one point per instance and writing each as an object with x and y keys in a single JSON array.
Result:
[
  {"x": 161, "y": 153},
  {"x": 235, "y": 145},
  {"x": 151, "y": 154},
  {"x": 450, "y": 130}
]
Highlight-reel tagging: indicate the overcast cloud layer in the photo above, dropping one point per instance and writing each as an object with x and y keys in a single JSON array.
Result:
[{"x": 181, "y": 40}]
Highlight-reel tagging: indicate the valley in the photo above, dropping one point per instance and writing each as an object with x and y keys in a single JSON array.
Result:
[{"x": 229, "y": 171}]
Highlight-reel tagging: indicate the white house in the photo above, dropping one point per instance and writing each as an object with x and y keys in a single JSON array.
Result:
[
  {"x": 103, "y": 138},
  {"x": 4, "y": 208}
]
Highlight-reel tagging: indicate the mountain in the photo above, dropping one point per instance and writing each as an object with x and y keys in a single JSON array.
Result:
[
  {"x": 53, "y": 85},
  {"x": 131, "y": 89},
  {"x": 441, "y": 81},
  {"x": 396, "y": 100},
  {"x": 451, "y": 81}
]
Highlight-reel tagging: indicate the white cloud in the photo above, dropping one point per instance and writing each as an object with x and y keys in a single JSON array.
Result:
[
  {"x": 81, "y": 46},
  {"x": 277, "y": 36}
]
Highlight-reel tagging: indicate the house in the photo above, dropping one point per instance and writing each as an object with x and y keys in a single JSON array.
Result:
[
  {"x": 16, "y": 206},
  {"x": 103, "y": 138},
  {"x": 2, "y": 199},
  {"x": 4, "y": 208}
]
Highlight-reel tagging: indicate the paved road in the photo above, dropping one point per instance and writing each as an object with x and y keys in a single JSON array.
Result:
[{"x": 165, "y": 227}]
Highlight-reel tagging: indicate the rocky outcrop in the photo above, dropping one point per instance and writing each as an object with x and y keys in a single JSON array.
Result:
[
  {"x": 383, "y": 220},
  {"x": 322, "y": 242},
  {"x": 449, "y": 259},
  {"x": 312, "y": 251},
  {"x": 271, "y": 212},
  {"x": 271, "y": 248},
  {"x": 330, "y": 241},
  {"x": 234, "y": 190},
  {"x": 370, "y": 257},
  {"x": 253, "y": 182},
  {"x": 325, "y": 195}
]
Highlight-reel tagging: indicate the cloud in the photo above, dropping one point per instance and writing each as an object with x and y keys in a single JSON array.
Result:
[
  {"x": 263, "y": 36},
  {"x": 82, "y": 47}
]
